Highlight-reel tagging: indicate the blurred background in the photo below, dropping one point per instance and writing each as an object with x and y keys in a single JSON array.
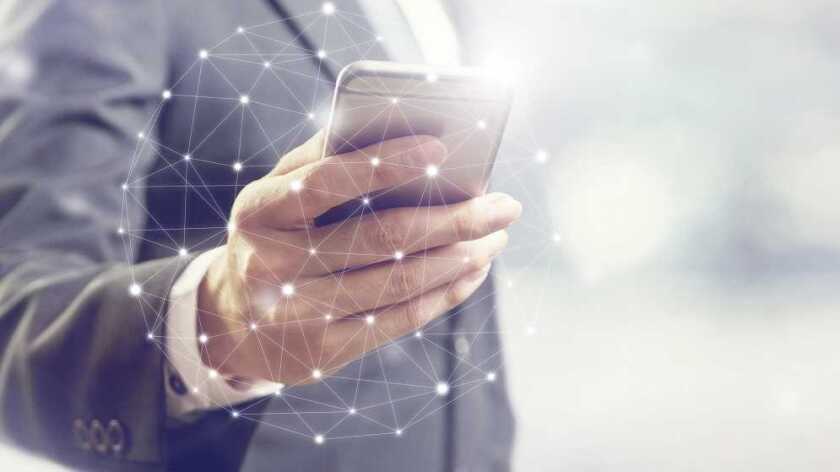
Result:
[{"x": 672, "y": 299}]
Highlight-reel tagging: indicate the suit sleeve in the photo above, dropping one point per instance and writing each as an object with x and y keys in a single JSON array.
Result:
[{"x": 80, "y": 368}]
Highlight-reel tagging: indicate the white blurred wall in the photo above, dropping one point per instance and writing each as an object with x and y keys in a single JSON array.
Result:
[
  {"x": 671, "y": 300},
  {"x": 674, "y": 374}
]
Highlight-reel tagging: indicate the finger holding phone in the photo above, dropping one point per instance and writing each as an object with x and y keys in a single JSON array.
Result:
[{"x": 300, "y": 280}]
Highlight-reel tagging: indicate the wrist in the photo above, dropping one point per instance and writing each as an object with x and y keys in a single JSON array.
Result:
[{"x": 214, "y": 320}]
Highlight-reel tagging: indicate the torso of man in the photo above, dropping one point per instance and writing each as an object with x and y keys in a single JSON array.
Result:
[{"x": 394, "y": 386}]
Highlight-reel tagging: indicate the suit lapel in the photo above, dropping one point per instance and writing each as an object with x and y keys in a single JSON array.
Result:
[{"x": 344, "y": 36}]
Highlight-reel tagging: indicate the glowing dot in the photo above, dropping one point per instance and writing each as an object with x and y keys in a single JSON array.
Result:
[
  {"x": 395, "y": 100},
  {"x": 465, "y": 260},
  {"x": 267, "y": 65},
  {"x": 240, "y": 29},
  {"x": 183, "y": 252},
  {"x": 351, "y": 411},
  {"x": 398, "y": 432},
  {"x": 231, "y": 226},
  {"x": 310, "y": 116},
  {"x": 135, "y": 290},
  {"x": 541, "y": 156},
  {"x": 530, "y": 330},
  {"x": 202, "y": 338},
  {"x": 375, "y": 161},
  {"x": 432, "y": 171},
  {"x": 253, "y": 326},
  {"x": 328, "y": 316},
  {"x": 124, "y": 186},
  {"x": 370, "y": 319},
  {"x": 481, "y": 124},
  {"x": 328, "y": 8},
  {"x": 213, "y": 373},
  {"x": 203, "y": 54},
  {"x": 431, "y": 77},
  {"x": 244, "y": 99},
  {"x": 140, "y": 135},
  {"x": 237, "y": 166},
  {"x": 442, "y": 389},
  {"x": 555, "y": 237},
  {"x": 317, "y": 374},
  {"x": 279, "y": 390},
  {"x": 187, "y": 157},
  {"x": 167, "y": 94},
  {"x": 296, "y": 186},
  {"x": 120, "y": 230},
  {"x": 150, "y": 336},
  {"x": 509, "y": 283},
  {"x": 399, "y": 255},
  {"x": 491, "y": 376},
  {"x": 418, "y": 334},
  {"x": 321, "y": 54},
  {"x": 288, "y": 290},
  {"x": 380, "y": 38},
  {"x": 234, "y": 414},
  {"x": 195, "y": 390},
  {"x": 319, "y": 439},
  {"x": 366, "y": 201},
  {"x": 313, "y": 251}
]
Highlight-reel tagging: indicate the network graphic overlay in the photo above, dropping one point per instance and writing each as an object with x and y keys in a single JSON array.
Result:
[{"x": 244, "y": 103}]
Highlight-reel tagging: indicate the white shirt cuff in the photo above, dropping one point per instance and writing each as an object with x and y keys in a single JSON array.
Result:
[{"x": 192, "y": 386}]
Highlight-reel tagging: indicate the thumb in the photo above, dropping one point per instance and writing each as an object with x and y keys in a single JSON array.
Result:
[{"x": 310, "y": 151}]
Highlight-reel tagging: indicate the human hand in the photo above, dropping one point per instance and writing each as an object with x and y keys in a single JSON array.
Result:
[{"x": 289, "y": 300}]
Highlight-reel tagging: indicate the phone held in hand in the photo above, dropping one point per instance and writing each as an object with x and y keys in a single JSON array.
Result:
[{"x": 464, "y": 108}]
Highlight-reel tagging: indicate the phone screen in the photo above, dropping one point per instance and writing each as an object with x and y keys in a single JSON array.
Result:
[{"x": 375, "y": 101}]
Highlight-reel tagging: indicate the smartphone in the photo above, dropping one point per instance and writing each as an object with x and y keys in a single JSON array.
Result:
[{"x": 463, "y": 107}]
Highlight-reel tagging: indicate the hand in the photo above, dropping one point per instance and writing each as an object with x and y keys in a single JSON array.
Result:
[{"x": 290, "y": 301}]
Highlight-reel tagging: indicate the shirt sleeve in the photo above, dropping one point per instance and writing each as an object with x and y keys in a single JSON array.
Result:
[{"x": 192, "y": 386}]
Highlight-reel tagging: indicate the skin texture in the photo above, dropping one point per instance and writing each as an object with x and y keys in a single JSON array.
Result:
[{"x": 290, "y": 302}]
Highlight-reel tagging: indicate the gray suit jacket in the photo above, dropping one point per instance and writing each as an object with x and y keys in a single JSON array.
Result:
[{"x": 81, "y": 77}]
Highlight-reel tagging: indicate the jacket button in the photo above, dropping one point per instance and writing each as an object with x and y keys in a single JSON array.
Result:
[
  {"x": 81, "y": 434},
  {"x": 97, "y": 437},
  {"x": 115, "y": 438}
]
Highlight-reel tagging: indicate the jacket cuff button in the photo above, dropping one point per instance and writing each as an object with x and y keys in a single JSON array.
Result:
[
  {"x": 116, "y": 438},
  {"x": 97, "y": 437},
  {"x": 81, "y": 435}
]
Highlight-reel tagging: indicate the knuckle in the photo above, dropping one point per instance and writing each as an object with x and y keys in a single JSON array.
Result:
[
  {"x": 392, "y": 171},
  {"x": 412, "y": 314},
  {"x": 458, "y": 293},
  {"x": 476, "y": 260},
  {"x": 417, "y": 156},
  {"x": 251, "y": 266},
  {"x": 463, "y": 223},
  {"x": 435, "y": 150},
  {"x": 402, "y": 283},
  {"x": 387, "y": 235},
  {"x": 245, "y": 207},
  {"x": 430, "y": 150},
  {"x": 313, "y": 179}
]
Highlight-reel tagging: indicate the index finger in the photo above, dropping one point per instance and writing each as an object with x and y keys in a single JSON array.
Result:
[
  {"x": 348, "y": 336},
  {"x": 294, "y": 200}
]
